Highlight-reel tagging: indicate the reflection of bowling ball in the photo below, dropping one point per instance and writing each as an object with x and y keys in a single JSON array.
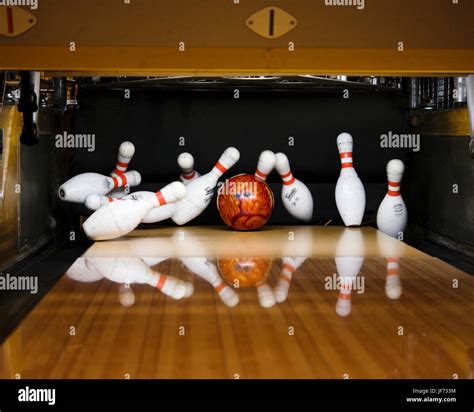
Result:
[
  {"x": 244, "y": 202},
  {"x": 248, "y": 271}
]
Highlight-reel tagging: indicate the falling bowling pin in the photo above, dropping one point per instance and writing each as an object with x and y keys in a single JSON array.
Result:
[
  {"x": 119, "y": 218},
  {"x": 79, "y": 187},
  {"x": 186, "y": 164},
  {"x": 392, "y": 213},
  {"x": 200, "y": 191},
  {"x": 125, "y": 155},
  {"x": 289, "y": 267},
  {"x": 350, "y": 192},
  {"x": 157, "y": 214},
  {"x": 266, "y": 163},
  {"x": 295, "y": 195}
]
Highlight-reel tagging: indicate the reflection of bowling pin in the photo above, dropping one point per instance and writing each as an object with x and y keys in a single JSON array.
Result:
[
  {"x": 119, "y": 218},
  {"x": 289, "y": 267},
  {"x": 200, "y": 191},
  {"x": 81, "y": 273},
  {"x": 266, "y": 297},
  {"x": 186, "y": 164},
  {"x": 134, "y": 270},
  {"x": 205, "y": 269},
  {"x": 393, "y": 284},
  {"x": 194, "y": 254},
  {"x": 392, "y": 213},
  {"x": 350, "y": 192},
  {"x": 295, "y": 194},
  {"x": 157, "y": 214},
  {"x": 266, "y": 163},
  {"x": 349, "y": 260},
  {"x": 79, "y": 187},
  {"x": 125, "y": 155},
  {"x": 126, "y": 295}
]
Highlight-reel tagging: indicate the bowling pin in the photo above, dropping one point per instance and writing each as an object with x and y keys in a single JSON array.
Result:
[
  {"x": 295, "y": 195},
  {"x": 157, "y": 214},
  {"x": 119, "y": 218},
  {"x": 79, "y": 187},
  {"x": 392, "y": 213},
  {"x": 133, "y": 270},
  {"x": 125, "y": 155},
  {"x": 266, "y": 163},
  {"x": 200, "y": 191},
  {"x": 350, "y": 192},
  {"x": 186, "y": 164}
]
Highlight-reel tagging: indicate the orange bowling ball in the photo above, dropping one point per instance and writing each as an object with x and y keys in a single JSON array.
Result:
[
  {"x": 248, "y": 271},
  {"x": 244, "y": 202}
]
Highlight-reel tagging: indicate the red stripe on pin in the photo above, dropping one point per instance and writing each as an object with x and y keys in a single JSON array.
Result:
[
  {"x": 285, "y": 175},
  {"x": 220, "y": 287},
  {"x": 189, "y": 176},
  {"x": 116, "y": 182},
  {"x": 110, "y": 199},
  {"x": 161, "y": 199},
  {"x": 345, "y": 165},
  {"x": 123, "y": 178},
  {"x": 393, "y": 193},
  {"x": 161, "y": 282},
  {"x": 220, "y": 167},
  {"x": 346, "y": 155},
  {"x": 290, "y": 182},
  {"x": 121, "y": 164},
  {"x": 289, "y": 267}
]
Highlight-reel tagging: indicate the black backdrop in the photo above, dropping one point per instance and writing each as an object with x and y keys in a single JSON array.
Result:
[{"x": 211, "y": 120}]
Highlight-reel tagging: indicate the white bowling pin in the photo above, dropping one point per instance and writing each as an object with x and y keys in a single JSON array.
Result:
[
  {"x": 392, "y": 213},
  {"x": 133, "y": 270},
  {"x": 289, "y": 267},
  {"x": 295, "y": 194},
  {"x": 119, "y": 218},
  {"x": 157, "y": 214},
  {"x": 186, "y": 164},
  {"x": 79, "y": 187},
  {"x": 393, "y": 284},
  {"x": 125, "y": 155},
  {"x": 266, "y": 163},
  {"x": 200, "y": 191},
  {"x": 350, "y": 192}
]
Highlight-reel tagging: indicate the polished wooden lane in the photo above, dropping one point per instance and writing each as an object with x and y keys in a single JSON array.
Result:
[{"x": 89, "y": 326}]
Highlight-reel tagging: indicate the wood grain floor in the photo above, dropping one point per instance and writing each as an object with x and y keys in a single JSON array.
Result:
[{"x": 90, "y": 326}]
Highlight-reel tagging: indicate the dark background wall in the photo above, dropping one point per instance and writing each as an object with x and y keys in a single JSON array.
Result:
[
  {"x": 443, "y": 162},
  {"x": 210, "y": 121}
]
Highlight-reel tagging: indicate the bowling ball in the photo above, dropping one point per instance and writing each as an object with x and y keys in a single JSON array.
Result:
[
  {"x": 244, "y": 202},
  {"x": 248, "y": 271}
]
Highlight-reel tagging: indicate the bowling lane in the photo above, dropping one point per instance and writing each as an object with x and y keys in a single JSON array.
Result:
[{"x": 284, "y": 302}]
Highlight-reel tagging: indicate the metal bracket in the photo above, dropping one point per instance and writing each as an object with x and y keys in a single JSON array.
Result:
[{"x": 470, "y": 106}]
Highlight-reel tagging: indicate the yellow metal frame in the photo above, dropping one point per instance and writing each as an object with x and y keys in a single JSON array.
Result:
[{"x": 144, "y": 38}]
